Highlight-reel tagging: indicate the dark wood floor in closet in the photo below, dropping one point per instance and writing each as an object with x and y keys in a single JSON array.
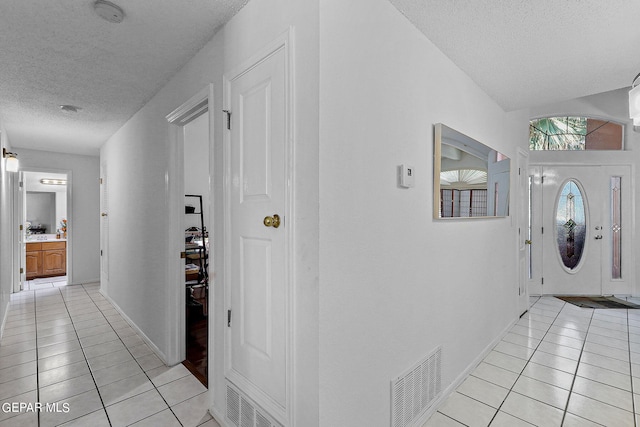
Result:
[{"x": 197, "y": 339}]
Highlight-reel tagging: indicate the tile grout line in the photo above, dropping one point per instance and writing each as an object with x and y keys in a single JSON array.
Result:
[
  {"x": 573, "y": 380},
  {"x": 588, "y": 332},
  {"x": 633, "y": 400},
  {"x": 604, "y": 369},
  {"x": 67, "y": 300},
  {"x": 524, "y": 367},
  {"x": 590, "y": 364},
  {"x": 574, "y": 375},
  {"x": 64, "y": 301},
  {"x": 143, "y": 371},
  {"x": 614, "y": 371},
  {"x": 490, "y": 382},
  {"x": 13, "y": 355},
  {"x": 35, "y": 318}
]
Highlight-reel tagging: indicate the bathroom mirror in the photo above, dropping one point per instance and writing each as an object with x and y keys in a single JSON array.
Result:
[{"x": 470, "y": 179}]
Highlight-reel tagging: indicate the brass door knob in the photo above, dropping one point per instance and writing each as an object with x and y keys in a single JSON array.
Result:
[
  {"x": 103, "y": 214},
  {"x": 527, "y": 242},
  {"x": 272, "y": 221}
]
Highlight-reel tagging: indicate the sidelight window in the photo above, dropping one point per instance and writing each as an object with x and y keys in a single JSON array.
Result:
[{"x": 616, "y": 227}]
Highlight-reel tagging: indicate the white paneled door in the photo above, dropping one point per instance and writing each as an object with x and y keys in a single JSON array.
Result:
[
  {"x": 586, "y": 230},
  {"x": 257, "y": 171},
  {"x": 22, "y": 212}
]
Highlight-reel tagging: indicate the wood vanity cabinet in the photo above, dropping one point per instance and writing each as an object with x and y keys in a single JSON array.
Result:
[
  {"x": 34, "y": 260},
  {"x": 46, "y": 259}
]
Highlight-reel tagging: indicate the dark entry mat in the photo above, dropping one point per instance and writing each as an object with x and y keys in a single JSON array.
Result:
[{"x": 598, "y": 302}]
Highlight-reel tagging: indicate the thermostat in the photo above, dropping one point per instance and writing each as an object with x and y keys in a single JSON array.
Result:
[{"x": 407, "y": 176}]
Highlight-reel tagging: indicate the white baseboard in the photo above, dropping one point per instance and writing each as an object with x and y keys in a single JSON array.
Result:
[
  {"x": 4, "y": 320},
  {"x": 218, "y": 417},
  {"x": 135, "y": 327},
  {"x": 463, "y": 376},
  {"x": 85, "y": 282}
]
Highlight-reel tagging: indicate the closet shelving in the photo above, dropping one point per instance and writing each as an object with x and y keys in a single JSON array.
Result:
[{"x": 196, "y": 254}]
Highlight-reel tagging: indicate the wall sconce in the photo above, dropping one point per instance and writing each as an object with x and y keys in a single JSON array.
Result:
[
  {"x": 12, "y": 160},
  {"x": 634, "y": 102}
]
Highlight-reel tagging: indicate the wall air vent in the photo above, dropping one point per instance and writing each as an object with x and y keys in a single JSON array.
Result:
[
  {"x": 233, "y": 406},
  {"x": 242, "y": 412},
  {"x": 415, "y": 390}
]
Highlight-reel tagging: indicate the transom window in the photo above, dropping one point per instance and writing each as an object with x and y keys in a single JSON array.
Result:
[{"x": 574, "y": 133}]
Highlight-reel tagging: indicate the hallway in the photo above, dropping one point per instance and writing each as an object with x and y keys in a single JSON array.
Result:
[
  {"x": 68, "y": 344},
  {"x": 559, "y": 365}
]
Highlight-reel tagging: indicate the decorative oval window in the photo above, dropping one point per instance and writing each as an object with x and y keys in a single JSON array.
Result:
[{"x": 571, "y": 224}]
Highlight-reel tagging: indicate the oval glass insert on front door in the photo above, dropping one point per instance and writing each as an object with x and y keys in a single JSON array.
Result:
[{"x": 570, "y": 224}]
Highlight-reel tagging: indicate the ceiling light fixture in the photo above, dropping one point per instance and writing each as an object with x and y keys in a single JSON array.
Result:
[
  {"x": 12, "y": 163},
  {"x": 109, "y": 11},
  {"x": 634, "y": 101},
  {"x": 70, "y": 108},
  {"x": 50, "y": 181}
]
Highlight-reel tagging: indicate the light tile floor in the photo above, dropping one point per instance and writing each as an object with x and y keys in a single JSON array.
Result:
[
  {"x": 560, "y": 365},
  {"x": 45, "y": 282},
  {"x": 68, "y": 344}
]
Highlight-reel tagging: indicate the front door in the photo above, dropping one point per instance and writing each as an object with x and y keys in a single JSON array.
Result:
[
  {"x": 256, "y": 247},
  {"x": 585, "y": 232}
]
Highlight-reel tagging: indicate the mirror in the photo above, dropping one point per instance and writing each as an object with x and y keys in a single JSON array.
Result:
[
  {"x": 45, "y": 203},
  {"x": 470, "y": 180}
]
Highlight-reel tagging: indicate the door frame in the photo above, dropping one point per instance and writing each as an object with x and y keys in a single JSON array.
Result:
[
  {"x": 104, "y": 231},
  {"x": 283, "y": 42},
  {"x": 538, "y": 162},
  {"x": 522, "y": 213},
  {"x": 534, "y": 263},
  {"x": 18, "y": 214},
  {"x": 175, "y": 329}
]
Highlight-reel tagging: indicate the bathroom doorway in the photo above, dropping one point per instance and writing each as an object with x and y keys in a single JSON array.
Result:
[{"x": 43, "y": 212}]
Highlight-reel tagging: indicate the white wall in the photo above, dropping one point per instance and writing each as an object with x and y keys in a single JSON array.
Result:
[
  {"x": 6, "y": 234},
  {"x": 84, "y": 221},
  {"x": 138, "y": 155},
  {"x": 378, "y": 283},
  {"x": 394, "y": 283}
]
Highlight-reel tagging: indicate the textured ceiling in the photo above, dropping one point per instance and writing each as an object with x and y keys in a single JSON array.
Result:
[
  {"x": 56, "y": 52},
  {"x": 532, "y": 52},
  {"x": 521, "y": 52}
]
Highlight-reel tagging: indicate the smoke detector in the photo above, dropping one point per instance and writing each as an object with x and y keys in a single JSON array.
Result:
[
  {"x": 109, "y": 11},
  {"x": 70, "y": 108}
]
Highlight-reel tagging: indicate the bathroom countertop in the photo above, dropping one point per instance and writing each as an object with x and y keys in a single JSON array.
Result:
[{"x": 44, "y": 238}]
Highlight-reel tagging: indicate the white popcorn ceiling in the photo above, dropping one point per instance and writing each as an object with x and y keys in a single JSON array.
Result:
[
  {"x": 56, "y": 52},
  {"x": 52, "y": 52},
  {"x": 526, "y": 53}
]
